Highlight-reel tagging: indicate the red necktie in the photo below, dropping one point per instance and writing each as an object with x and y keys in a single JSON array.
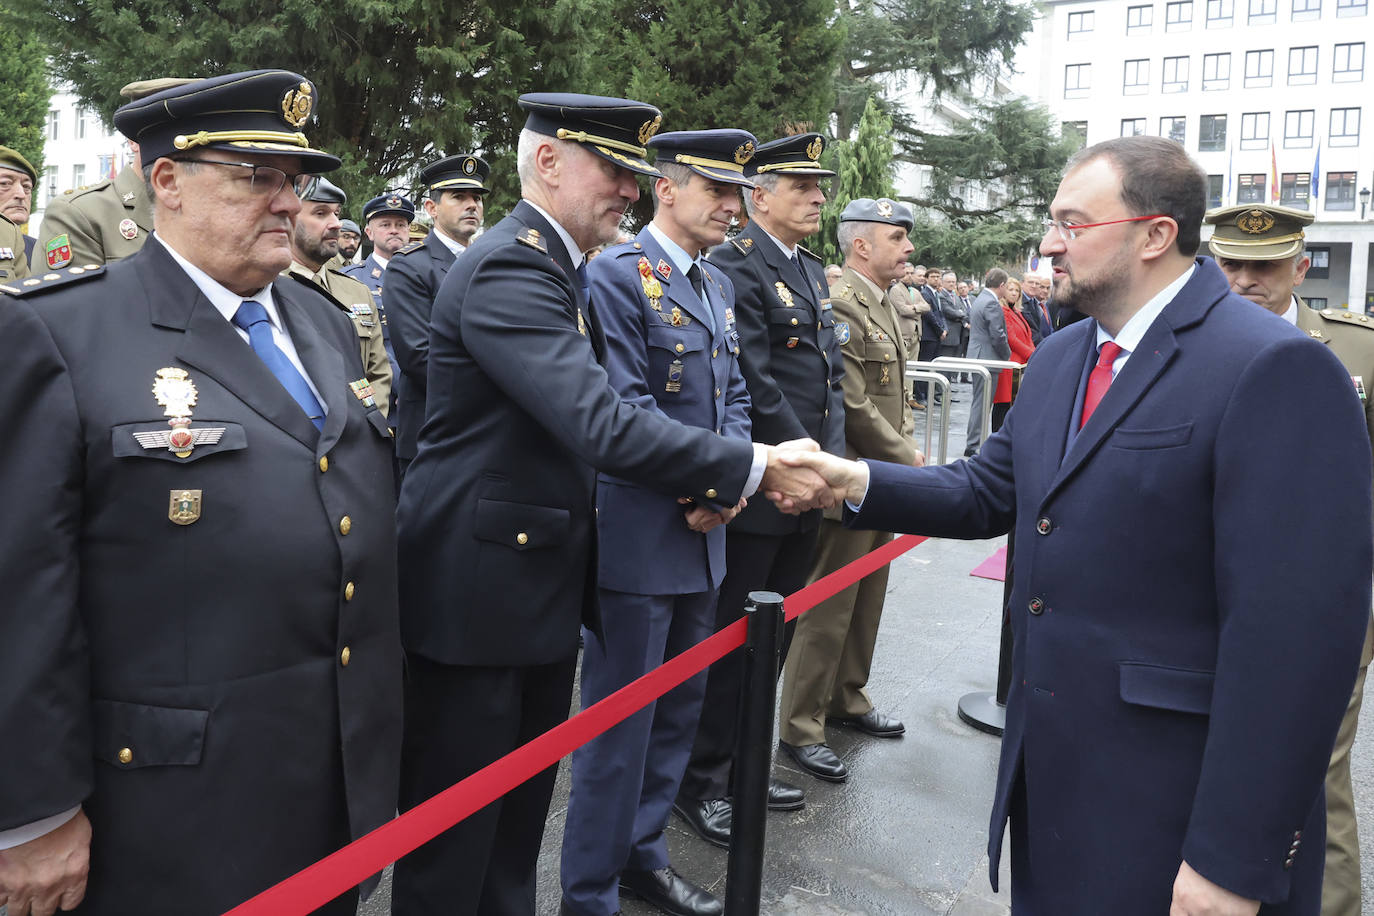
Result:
[{"x": 1099, "y": 380}]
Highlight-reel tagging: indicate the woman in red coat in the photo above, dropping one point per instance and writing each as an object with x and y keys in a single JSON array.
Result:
[{"x": 1022, "y": 346}]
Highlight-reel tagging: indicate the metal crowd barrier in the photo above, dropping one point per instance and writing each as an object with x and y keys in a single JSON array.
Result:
[
  {"x": 936, "y": 378},
  {"x": 963, "y": 364}
]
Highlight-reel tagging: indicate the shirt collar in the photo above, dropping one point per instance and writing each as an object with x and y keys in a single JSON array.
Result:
[
  {"x": 675, "y": 252},
  {"x": 1291, "y": 316},
  {"x": 577, "y": 256},
  {"x": 1133, "y": 331},
  {"x": 452, "y": 245},
  {"x": 381, "y": 261},
  {"x": 872, "y": 287},
  {"x": 225, "y": 300},
  {"x": 790, "y": 252}
]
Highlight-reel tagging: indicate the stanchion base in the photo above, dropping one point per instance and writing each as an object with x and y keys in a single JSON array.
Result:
[{"x": 983, "y": 712}]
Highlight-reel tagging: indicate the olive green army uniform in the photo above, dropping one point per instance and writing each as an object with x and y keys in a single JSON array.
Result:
[
  {"x": 13, "y": 264},
  {"x": 354, "y": 299},
  {"x": 103, "y": 222},
  {"x": 832, "y": 650}
]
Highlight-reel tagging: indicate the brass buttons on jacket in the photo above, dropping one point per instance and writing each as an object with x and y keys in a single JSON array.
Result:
[
  {"x": 344, "y": 656},
  {"x": 679, "y": 348},
  {"x": 348, "y": 592},
  {"x": 711, "y": 493},
  {"x": 126, "y": 756},
  {"x": 324, "y": 463},
  {"x": 345, "y": 525},
  {"x": 522, "y": 539}
]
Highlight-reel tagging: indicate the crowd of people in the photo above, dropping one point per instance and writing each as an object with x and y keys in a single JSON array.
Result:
[{"x": 296, "y": 547}]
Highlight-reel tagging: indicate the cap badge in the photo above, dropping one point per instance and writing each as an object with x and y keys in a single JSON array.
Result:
[
  {"x": 176, "y": 393},
  {"x": 469, "y": 165},
  {"x": 183, "y": 506},
  {"x": 813, "y": 151},
  {"x": 393, "y": 201},
  {"x": 884, "y": 208},
  {"x": 128, "y": 228},
  {"x": 744, "y": 153},
  {"x": 296, "y": 105},
  {"x": 1254, "y": 222},
  {"x": 649, "y": 128}
]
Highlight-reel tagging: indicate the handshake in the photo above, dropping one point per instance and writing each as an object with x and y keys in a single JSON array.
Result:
[{"x": 800, "y": 476}]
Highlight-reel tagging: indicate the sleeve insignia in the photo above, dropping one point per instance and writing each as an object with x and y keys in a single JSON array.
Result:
[{"x": 842, "y": 332}]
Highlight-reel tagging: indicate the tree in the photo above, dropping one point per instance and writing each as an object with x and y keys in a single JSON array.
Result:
[
  {"x": 24, "y": 115},
  {"x": 401, "y": 81},
  {"x": 750, "y": 64},
  {"x": 1009, "y": 146},
  {"x": 864, "y": 168}
]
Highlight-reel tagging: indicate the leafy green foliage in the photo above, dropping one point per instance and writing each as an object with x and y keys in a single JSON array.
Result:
[
  {"x": 865, "y": 167},
  {"x": 24, "y": 115}
]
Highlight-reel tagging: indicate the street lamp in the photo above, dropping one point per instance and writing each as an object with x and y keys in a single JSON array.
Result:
[{"x": 1364, "y": 201}]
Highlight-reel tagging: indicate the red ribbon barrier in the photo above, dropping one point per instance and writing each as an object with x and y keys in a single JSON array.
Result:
[{"x": 316, "y": 885}]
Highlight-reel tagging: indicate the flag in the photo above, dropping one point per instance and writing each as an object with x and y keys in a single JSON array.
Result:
[
  {"x": 1316, "y": 173},
  {"x": 114, "y": 159},
  {"x": 1273, "y": 173}
]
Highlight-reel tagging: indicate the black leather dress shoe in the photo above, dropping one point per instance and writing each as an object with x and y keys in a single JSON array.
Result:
[
  {"x": 709, "y": 819},
  {"x": 818, "y": 760},
  {"x": 783, "y": 796},
  {"x": 670, "y": 892},
  {"x": 872, "y": 723}
]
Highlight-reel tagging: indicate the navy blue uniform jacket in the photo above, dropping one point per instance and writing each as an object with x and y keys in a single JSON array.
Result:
[
  {"x": 412, "y": 280},
  {"x": 497, "y": 523},
  {"x": 1188, "y": 604}
]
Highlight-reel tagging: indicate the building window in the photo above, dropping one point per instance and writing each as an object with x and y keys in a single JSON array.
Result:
[
  {"x": 1259, "y": 69},
  {"x": 1254, "y": 130},
  {"x": 1315, "y": 302},
  {"x": 1132, "y": 127},
  {"x": 1264, "y": 12},
  {"x": 1080, "y": 24},
  {"x": 1348, "y": 66},
  {"x": 1302, "y": 66},
  {"x": 1078, "y": 130},
  {"x": 1176, "y": 129},
  {"x": 1295, "y": 189},
  {"x": 104, "y": 164},
  {"x": 1220, "y": 13},
  {"x": 81, "y": 121},
  {"x": 1298, "y": 129},
  {"x": 50, "y": 182},
  {"x": 1175, "y": 74},
  {"x": 1320, "y": 269},
  {"x": 1352, "y": 7},
  {"x": 1216, "y": 71},
  {"x": 1178, "y": 16},
  {"x": 1136, "y": 78},
  {"x": 1139, "y": 19},
  {"x": 1304, "y": 10},
  {"x": 1214, "y": 183},
  {"x": 1077, "y": 80},
  {"x": 78, "y": 176},
  {"x": 1340, "y": 190},
  {"x": 1345, "y": 127},
  {"x": 1211, "y": 133},
  {"x": 54, "y": 119},
  {"x": 1250, "y": 188}
]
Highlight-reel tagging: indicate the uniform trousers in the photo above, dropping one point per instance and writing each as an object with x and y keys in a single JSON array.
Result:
[
  {"x": 1341, "y": 881},
  {"x": 458, "y": 719},
  {"x": 832, "y": 650},
  {"x": 777, "y": 563},
  {"x": 624, "y": 780}
]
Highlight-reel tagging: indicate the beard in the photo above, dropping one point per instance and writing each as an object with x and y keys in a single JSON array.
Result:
[{"x": 1093, "y": 295}]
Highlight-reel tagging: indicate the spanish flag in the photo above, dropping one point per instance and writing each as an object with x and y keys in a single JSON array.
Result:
[{"x": 1273, "y": 173}]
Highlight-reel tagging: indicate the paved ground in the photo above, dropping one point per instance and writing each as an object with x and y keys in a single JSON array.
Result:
[{"x": 906, "y": 835}]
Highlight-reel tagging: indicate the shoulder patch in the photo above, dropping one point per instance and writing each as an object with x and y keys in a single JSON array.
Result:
[
  {"x": 743, "y": 246},
  {"x": 413, "y": 246},
  {"x": 532, "y": 238},
  {"x": 52, "y": 280},
  {"x": 1359, "y": 319},
  {"x": 842, "y": 332}
]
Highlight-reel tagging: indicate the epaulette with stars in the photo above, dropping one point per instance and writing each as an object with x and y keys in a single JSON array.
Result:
[
  {"x": 1348, "y": 317},
  {"x": 51, "y": 280}
]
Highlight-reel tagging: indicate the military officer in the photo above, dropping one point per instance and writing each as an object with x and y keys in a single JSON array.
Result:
[
  {"x": 792, "y": 365},
  {"x": 200, "y": 586},
  {"x": 455, "y": 186},
  {"x": 17, "y": 178},
  {"x": 497, "y": 514},
  {"x": 110, "y": 219},
  {"x": 832, "y": 650},
  {"x": 14, "y": 265},
  {"x": 669, "y": 321},
  {"x": 386, "y": 221},
  {"x": 1261, "y": 251},
  {"x": 314, "y": 242}
]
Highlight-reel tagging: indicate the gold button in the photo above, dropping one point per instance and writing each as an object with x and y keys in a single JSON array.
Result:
[
  {"x": 794, "y": 322},
  {"x": 711, "y": 494},
  {"x": 344, "y": 656},
  {"x": 715, "y": 352},
  {"x": 827, "y": 411},
  {"x": 345, "y": 525},
  {"x": 717, "y": 392},
  {"x": 324, "y": 463},
  {"x": 126, "y": 756},
  {"x": 522, "y": 538},
  {"x": 680, "y": 348},
  {"x": 348, "y": 592}
]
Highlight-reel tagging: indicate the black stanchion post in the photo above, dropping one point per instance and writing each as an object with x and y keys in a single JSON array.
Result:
[
  {"x": 744, "y": 873},
  {"x": 987, "y": 711}
]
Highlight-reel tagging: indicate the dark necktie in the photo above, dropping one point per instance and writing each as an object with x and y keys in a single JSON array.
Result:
[
  {"x": 694, "y": 274},
  {"x": 1099, "y": 380},
  {"x": 585, "y": 283},
  {"x": 252, "y": 317}
]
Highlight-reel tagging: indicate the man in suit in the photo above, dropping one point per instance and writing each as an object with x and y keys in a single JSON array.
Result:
[
  {"x": 386, "y": 221},
  {"x": 1033, "y": 290},
  {"x": 956, "y": 315},
  {"x": 987, "y": 339},
  {"x": 1260, "y": 250},
  {"x": 497, "y": 518},
  {"x": 934, "y": 328},
  {"x": 314, "y": 243},
  {"x": 669, "y": 318},
  {"x": 792, "y": 365},
  {"x": 1167, "y": 630},
  {"x": 832, "y": 650},
  {"x": 456, "y": 186},
  {"x": 200, "y": 613}
]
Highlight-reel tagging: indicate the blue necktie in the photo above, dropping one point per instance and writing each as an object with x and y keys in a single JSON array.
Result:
[
  {"x": 252, "y": 317},
  {"x": 585, "y": 283}
]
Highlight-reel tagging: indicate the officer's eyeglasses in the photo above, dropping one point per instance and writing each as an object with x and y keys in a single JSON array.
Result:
[
  {"x": 266, "y": 180},
  {"x": 1068, "y": 231}
]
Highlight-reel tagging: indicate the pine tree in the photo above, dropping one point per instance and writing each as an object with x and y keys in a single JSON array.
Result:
[
  {"x": 24, "y": 115},
  {"x": 864, "y": 168}
]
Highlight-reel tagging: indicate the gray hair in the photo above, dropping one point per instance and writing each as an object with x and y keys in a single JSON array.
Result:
[
  {"x": 675, "y": 172},
  {"x": 853, "y": 229},
  {"x": 767, "y": 182}
]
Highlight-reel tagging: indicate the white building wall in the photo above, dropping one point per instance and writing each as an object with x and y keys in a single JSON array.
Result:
[{"x": 79, "y": 150}]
